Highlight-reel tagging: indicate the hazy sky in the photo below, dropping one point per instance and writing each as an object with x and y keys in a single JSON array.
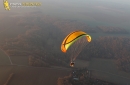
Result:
[{"x": 94, "y": 12}]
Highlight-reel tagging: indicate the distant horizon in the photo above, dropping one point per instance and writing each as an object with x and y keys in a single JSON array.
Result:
[{"x": 96, "y": 12}]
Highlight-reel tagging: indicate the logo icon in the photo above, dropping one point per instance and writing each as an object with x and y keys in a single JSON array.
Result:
[{"x": 6, "y": 5}]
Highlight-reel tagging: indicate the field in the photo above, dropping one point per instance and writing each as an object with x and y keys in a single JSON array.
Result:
[
  {"x": 105, "y": 69},
  {"x": 31, "y": 75},
  {"x": 81, "y": 63},
  {"x": 101, "y": 68},
  {"x": 103, "y": 65},
  {"x": 19, "y": 60},
  {"x": 4, "y": 60},
  {"x": 25, "y": 75}
]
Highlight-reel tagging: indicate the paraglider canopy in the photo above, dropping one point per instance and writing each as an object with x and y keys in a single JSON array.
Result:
[
  {"x": 71, "y": 38},
  {"x": 74, "y": 43}
]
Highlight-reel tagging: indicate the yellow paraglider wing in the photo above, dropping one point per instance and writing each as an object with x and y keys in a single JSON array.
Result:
[
  {"x": 72, "y": 37},
  {"x": 88, "y": 38}
]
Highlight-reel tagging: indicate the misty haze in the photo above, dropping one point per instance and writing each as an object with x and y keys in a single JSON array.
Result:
[{"x": 65, "y": 42}]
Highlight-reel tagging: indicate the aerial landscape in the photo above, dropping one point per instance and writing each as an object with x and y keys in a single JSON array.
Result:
[{"x": 65, "y": 43}]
